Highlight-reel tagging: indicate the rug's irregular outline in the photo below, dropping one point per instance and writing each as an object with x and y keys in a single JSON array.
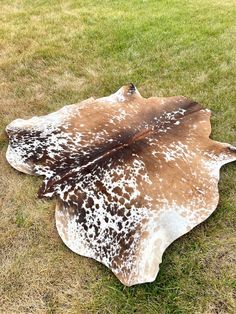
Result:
[{"x": 130, "y": 174}]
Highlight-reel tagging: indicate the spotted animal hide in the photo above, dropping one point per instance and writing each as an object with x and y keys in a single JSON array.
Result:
[{"x": 130, "y": 175}]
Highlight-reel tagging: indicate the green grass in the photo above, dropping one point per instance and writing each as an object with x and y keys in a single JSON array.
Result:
[{"x": 60, "y": 52}]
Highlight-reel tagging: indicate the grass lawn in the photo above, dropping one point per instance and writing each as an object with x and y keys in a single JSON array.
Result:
[{"x": 60, "y": 52}]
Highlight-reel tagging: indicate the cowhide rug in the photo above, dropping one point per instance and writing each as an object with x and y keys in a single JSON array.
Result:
[{"x": 130, "y": 175}]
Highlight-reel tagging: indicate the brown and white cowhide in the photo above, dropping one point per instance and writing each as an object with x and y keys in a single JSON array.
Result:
[{"x": 130, "y": 175}]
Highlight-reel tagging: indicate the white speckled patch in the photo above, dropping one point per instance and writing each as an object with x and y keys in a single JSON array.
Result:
[{"x": 130, "y": 175}]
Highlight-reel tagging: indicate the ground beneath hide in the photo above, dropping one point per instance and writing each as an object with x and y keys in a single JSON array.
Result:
[{"x": 56, "y": 53}]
